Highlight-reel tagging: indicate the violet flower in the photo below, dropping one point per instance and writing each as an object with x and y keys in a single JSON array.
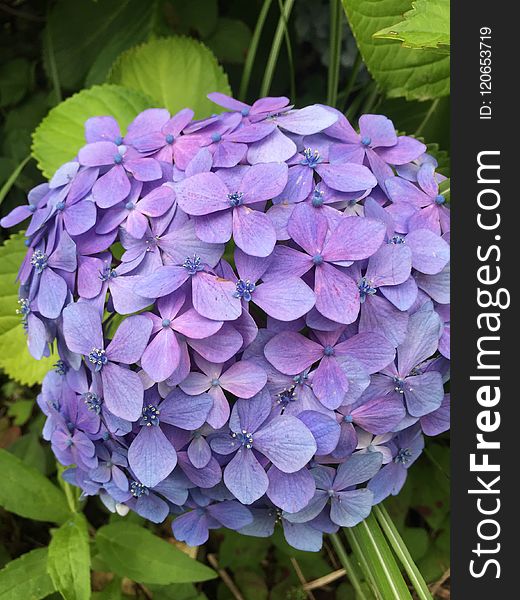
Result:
[
  {"x": 222, "y": 210},
  {"x": 283, "y": 440},
  {"x": 122, "y": 388}
]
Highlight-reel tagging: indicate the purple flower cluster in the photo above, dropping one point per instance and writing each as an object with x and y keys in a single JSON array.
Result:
[{"x": 251, "y": 313}]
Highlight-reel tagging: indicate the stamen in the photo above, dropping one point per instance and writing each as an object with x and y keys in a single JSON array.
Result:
[
  {"x": 244, "y": 438},
  {"x": 404, "y": 456},
  {"x": 39, "y": 261},
  {"x": 235, "y": 199},
  {"x": 169, "y": 139},
  {"x": 311, "y": 159},
  {"x": 93, "y": 402},
  {"x": 366, "y": 288},
  {"x": 244, "y": 289},
  {"x": 399, "y": 385},
  {"x": 61, "y": 367},
  {"x": 98, "y": 358},
  {"x": 193, "y": 264},
  {"x": 317, "y": 198},
  {"x": 138, "y": 489},
  {"x": 150, "y": 416},
  {"x": 286, "y": 397},
  {"x": 397, "y": 239}
]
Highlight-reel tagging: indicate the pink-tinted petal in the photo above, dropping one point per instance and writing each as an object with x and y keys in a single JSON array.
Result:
[
  {"x": 354, "y": 238},
  {"x": 244, "y": 379},
  {"x": 162, "y": 355},
  {"x": 130, "y": 340},
  {"x": 347, "y": 177},
  {"x": 292, "y": 353},
  {"x": 202, "y": 194},
  {"x": 253, "y": 231},
  {"x": 286, "y": 300},
  {"x": 337, "y": 296},
  {"x": 275, "y": 147},
  {"x": 330, "y": 383},
  {"x": 111, "y": 188},
  {"x": 213, "y": 297}
]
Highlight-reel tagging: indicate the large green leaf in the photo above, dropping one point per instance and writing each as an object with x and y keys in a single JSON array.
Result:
[
  {"x": 85, "y": 37},
  {"x": 427, "y": 25},
  {"x": 69, "y": 559},
  {"x": 15, "y": 359},
  {"x": 177, "y": 72},
  {"x": 26, "y": 577},
  {"x": 61, "y": 134},
  {"x": 414, "y": 74},
  {"x": 28, "y": 493},
  {"x": 134, "y": 552}
]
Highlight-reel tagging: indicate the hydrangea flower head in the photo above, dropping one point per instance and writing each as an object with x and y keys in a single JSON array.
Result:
[{"x": 251, "y": 314}]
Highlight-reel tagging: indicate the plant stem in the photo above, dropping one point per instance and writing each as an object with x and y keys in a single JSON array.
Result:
[
  {"x": 371, "y": 100},
  {"x": 253, "y": 47},
  {"x": 289, "y": 56},
  {"x": 427, "y": 116},
  {"x": 12, "y": 178},
  {"x": 275, "y": 49},
  {"x": 402, "y": 552},
  {"x": 336, "y": 13},
  {"x": 360, "y": 556},
  {"x": 358, "y": 61},
  {"x": 347, "y": 565}
]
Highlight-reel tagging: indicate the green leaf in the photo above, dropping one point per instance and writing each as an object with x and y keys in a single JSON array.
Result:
[
  {"x": 20, "y": 411},
  {"x": 88, "y": 36},
  {"x": 61, "y": 134},
  {"x": 252, "y": 585},
  {"x": 112, "y": 591},
  {"x": 416, "y": 75},
  {"x": 402, "y": 553},
  {"x": 427, "y": 25},
  {"x": 69, "y": 559},
  {"x": 195, "y": 15},
  {"x": 15, "y": 79},
  {"x": 28, "y": 493},
  {"x": 377, "y": 561},
  {"x": 177, "y": 72},
  {"x": 179, "y": 591},
  {"x": 230, "y": 42},
  {"x": 15, "y": 359},
  {"x": 26, "y": 577},
  {"x": 134, "y": 552},
  {"x": 28, "y": 448}
]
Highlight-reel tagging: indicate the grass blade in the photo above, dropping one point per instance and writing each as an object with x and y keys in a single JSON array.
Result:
[
  {"x": 253, "y": 47},
  {"x": 275, "y": 49},
  {"x": 336, "y": 16},
  {"x": 376, "y": 558},
  {"x": 347, "y": 565},
  {"x": 402, "y": 553}
]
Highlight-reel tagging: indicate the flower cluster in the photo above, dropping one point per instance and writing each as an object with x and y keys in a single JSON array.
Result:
[{"x": 251, "y": 314}]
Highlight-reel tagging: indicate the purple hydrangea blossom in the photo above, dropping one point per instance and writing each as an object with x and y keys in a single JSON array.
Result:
[{"x": 251, "y": 313}]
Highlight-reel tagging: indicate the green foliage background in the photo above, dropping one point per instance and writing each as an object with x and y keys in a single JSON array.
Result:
[{"x": 62, "y": 61}]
